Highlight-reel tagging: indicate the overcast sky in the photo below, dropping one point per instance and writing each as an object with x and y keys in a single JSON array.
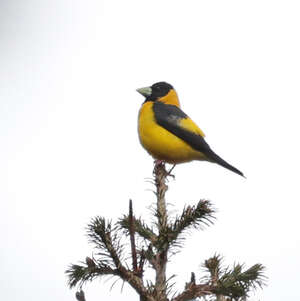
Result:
[{"x": 69, "y": 148}]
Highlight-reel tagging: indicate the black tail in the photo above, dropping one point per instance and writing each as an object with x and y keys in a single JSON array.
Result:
[{"x": 216, "y": 159}]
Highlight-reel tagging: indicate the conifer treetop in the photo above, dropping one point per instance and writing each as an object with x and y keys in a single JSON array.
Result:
[{"x": 148, "y": 246}]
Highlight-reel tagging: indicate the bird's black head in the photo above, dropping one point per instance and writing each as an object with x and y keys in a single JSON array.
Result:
[
  {"x": 156, "y": 91},
  {"x": 160, "y": 89}
]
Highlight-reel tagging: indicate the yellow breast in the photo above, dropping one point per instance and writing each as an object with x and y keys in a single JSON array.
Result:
[{"x": 160, "y": 143}]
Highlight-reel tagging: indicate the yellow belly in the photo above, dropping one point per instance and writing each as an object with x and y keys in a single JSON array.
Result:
[{"x": 162, "y": 144}]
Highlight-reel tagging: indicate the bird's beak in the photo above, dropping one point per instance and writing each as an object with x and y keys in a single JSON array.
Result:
[{"x": 146, "y": 91}]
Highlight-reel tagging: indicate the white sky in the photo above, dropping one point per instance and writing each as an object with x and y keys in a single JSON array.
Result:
[{"x": 69, "y": 148}]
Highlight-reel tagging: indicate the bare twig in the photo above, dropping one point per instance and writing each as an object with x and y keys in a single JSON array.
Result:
[
  {"x": 132, "y": 240},
  {"x": 193, "y": 278},
  {"x": 140, "y": 228},
  {"x": 141, "y": 263}
]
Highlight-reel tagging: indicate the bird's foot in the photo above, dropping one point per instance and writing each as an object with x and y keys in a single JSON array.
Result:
[
  {"x": 169, "y": 172},
  {"x": 159, "y": 163},
  {"x": 162, "y": 163}
]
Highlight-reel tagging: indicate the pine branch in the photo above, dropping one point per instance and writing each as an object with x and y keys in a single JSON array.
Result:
[
  {"x": 222, "y": 283},
  {"x": 140, "y": 227},
  {"x": 234, "y": 283},
  {"x": 213, "y": 266},
  {"x": 79, "y": 274},
  {"x": 195, "y": 216},
  {"x": 107, "y": 240}
]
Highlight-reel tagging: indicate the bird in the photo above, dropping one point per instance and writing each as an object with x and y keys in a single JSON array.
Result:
[{"x": 168, "y": 134}]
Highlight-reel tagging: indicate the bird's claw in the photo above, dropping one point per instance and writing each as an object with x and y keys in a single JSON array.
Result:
[
  {"x": 159, "y": 163},
  {"x": 169, "y": 172}
]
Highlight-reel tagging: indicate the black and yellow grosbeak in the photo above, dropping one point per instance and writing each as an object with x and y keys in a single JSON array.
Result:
[{"x": 168, "y": 134}]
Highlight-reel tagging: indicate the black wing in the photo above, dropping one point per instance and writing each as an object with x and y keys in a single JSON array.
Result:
[{"x": 169, "y": 117}]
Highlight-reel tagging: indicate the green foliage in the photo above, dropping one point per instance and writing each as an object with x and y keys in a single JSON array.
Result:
[
  {"x": 235, "y": 282},
  {"x": 80, "y": 274},
  {"x": 151, "y": 245},
  {"x": 173, "y": 232},
  {"x": 192, "y": 217},
  {"x": 140, "y": 227}
]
